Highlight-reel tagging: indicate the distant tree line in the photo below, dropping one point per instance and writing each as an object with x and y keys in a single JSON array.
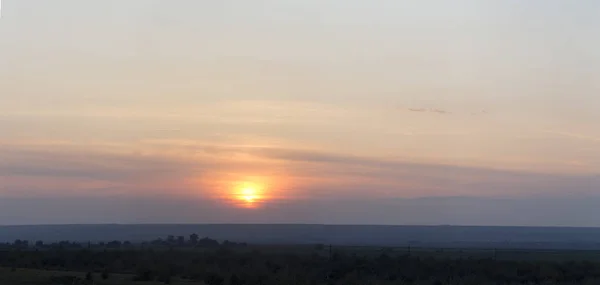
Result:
[
  {"x": 226, "y": 263},
  {"x": 170, "y": 241}
]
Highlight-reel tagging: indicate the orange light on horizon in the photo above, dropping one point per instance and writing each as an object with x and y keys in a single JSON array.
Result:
[{"x": 246, "y": 190}]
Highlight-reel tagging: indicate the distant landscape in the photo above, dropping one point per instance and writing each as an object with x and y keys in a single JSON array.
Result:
[
  {"x": 196, "y": 260},
  {"x": 368, "y": 235}
]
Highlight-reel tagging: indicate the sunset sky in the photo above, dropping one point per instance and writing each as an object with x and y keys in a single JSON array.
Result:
[{"x": 300, "y": 111}]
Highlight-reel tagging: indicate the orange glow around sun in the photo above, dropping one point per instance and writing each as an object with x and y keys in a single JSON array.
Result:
[
  {"x": 252, "y": 191},
  {"x": 248, "y": 194},
  {"x": 257, "y": 191}
]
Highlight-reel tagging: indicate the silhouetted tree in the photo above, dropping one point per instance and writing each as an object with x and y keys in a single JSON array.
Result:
[
  {"x": 171, "y": 239},
  {"x": 206, "y": 242},
  {"x": 194, "y": 239},
  {"x": 114, "y": 244},
  {"x": 21, "y": 243},
  {"x": 181, "y": 240}
]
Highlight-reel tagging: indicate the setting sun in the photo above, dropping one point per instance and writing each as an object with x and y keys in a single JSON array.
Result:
[
  {"x": 249, "y": 194},
  {"x": 246, "y": 190}
]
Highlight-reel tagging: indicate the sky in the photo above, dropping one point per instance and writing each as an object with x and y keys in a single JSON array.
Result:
[{"x": 289, "y": 111}]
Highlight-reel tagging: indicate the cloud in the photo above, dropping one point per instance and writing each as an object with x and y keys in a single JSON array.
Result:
[
  {"x": 409, "y": 178},
  {"x": 444, "y": 112},
  {"x": 439, "y": 111},
  {"x": 166, "y": 168},
  {"x": 317, "y": 156},
  {"x": 574, "y": 136},
  {"x": 69, "y": 169},
  {"x": 86, "y": 164},
  {"x": 430, "y": 110},
  {"x": 479, "y": 113}
]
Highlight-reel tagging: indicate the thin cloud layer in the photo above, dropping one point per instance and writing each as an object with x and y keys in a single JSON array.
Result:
[
  {"x": 445, "y": 112},
  {"x": 310, "y": 173},
  {"x": 431, "y": 110}
]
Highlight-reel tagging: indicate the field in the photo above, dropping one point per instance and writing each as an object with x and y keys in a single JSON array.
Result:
[
  {"x": 294, "y": 264},
  {"x": 482, "y": 253},
  {"x": 37, "y": 276}
]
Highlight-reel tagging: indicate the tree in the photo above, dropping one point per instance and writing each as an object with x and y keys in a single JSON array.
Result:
[
  {"x": 171, "y": 239},
  {"x": 114, "y": 244},
  {"x": 89, "y": 276},
  {"x": 180, "y": 240},
  {"x": 104, "y": 274},
  {"x": 39, "y": 244},
  {"x": 194, "y": 239},
  {"x": 208, "y": 242},
  {"x": 21, "y": 243}
]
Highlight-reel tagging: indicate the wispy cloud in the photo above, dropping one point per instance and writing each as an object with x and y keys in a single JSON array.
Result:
[
  {"x": 574, "y": 136},
  {"x": 314, "y": 172},
  {"x": 430, "y": 110},
  {"x": 445, "y": 112}
]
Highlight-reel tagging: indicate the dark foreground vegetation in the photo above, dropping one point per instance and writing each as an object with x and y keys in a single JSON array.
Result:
[{"x": 179, "y": 260}]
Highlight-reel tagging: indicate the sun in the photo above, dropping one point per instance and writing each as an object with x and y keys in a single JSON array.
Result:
[
  {"x": 250, "y": 191},
  {"x": 248, "y": 194}
]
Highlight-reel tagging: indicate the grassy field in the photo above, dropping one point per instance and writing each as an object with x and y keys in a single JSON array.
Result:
[{"x": 39, "y": 277}]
